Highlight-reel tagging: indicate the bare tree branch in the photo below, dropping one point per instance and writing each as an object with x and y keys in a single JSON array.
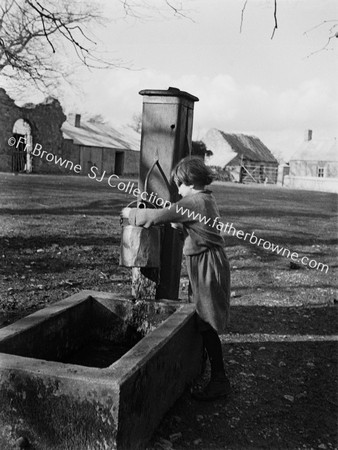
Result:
[
  {"x": 178, "y": 11},
  {"x": 242, "y": 15},
  {"x": 275, "y": 19},
  {"x": 59, "y": 24},
  {"x": 144, "y": 10},
  {"x": 274, "y": 16},
  {"x": 321, "y": 24},
  {"x": 332, "y": 34},
  {"x": 325, "y": 47},
  {"x": 46, "y": 34}
]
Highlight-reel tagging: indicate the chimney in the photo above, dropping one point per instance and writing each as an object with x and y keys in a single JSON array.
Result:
[
  {"x": 308, "y": 135},
  {"x": 78, "y": 120}
]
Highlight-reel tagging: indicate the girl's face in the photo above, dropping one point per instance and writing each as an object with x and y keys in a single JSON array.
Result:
[{"x": 185, "y": 190}]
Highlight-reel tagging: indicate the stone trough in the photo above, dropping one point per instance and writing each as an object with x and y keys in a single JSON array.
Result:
[{"x": 95, "y": 371}]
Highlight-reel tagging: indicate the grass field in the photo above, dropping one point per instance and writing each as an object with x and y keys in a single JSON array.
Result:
[{"x": 59, "y": 235}]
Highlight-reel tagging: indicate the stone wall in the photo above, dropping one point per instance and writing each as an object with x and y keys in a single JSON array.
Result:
[
  {"x": 45, "y": 120},
  {"x": 312, "y": 183}
]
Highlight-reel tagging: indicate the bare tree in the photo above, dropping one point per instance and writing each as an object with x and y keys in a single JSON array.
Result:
[
  {"x": 31, "y": 32},
  {"x": 34, "y": 32},
  {"x": 136, "y": 123}
]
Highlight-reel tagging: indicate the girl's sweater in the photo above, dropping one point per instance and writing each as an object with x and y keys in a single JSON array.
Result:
[{"x": 197, "y": 213}]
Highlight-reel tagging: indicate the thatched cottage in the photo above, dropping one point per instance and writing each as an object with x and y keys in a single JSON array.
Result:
[{"x": 244, "y": 158}]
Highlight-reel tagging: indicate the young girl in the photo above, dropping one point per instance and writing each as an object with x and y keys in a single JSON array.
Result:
[{"x": 207, "y": 264}]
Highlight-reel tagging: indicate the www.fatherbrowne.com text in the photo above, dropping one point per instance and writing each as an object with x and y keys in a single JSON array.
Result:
[{"x": 252, "y": 238}]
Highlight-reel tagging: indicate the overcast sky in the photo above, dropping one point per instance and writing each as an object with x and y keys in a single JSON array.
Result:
[{"x": 246, "y": 82}]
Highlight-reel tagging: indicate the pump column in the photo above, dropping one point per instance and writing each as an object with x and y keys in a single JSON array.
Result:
[{"x": 167, "y": 121}]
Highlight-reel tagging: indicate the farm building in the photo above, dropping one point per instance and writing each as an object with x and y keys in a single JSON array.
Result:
[
  {"x": 76, "y": 144},
  {"x": 244, "y": 159},
  {"x": 314, "y": 166},
  {"x": 98, "y": 144}
]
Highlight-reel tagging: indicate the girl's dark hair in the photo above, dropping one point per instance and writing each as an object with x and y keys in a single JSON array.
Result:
[{"x": 192, "y": 170}]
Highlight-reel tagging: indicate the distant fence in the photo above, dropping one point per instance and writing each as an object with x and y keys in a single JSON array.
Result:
[
  {"x": 259, "y": 173},
  {"x": 247, "y": 173}
]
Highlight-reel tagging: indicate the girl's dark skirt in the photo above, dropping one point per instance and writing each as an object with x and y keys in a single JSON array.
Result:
[{"x": 209, "y": 275}]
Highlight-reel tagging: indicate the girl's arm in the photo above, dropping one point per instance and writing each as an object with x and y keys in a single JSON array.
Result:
[{"x": 146, "y": 217}]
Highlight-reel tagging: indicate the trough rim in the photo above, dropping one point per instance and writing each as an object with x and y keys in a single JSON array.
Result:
[{"x": 116, "y": 373}]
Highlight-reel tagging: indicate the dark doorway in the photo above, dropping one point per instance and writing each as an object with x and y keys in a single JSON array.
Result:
[
  {"x": 19, "y": 154},
  {"x": 119, "y": 163}
]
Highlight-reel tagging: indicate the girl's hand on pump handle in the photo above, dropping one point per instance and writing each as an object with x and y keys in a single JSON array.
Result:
[{"x": 125, "y": 213}]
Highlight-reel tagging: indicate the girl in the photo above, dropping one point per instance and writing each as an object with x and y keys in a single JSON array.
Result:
[{"x": 207, "y": 264}]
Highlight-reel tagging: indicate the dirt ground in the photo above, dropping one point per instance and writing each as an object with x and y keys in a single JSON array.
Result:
[{"x": 60, "y": 235}]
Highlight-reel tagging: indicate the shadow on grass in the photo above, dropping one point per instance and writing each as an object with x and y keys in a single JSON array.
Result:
[
  {"x": 272, "y": 213},
  {"x": 109, "y": 207},
  {"x": 287, "y": 242},
  {"x": 288, "y": 289},
  {"x": 284, "y": 320},
  {"x": 42, "y": 242}
]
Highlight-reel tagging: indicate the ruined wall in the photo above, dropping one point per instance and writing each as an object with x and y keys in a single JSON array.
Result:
[{"x": 45, "y": 120}]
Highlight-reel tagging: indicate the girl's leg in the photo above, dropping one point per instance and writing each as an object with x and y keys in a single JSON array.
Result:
[
  {"x": 213, "y": 347},
  {"x": 219, "y": 385}
]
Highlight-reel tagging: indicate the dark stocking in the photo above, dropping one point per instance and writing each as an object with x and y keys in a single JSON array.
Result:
[{"x": 213, "y": 347}]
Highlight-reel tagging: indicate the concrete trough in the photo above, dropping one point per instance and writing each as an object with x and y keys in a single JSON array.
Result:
[{"x": 95, "y": 371}]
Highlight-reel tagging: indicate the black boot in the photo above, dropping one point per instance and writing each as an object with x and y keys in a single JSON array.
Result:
[
  {"x": 219, "y": 385},
  {"x": 215, "y": 389}
]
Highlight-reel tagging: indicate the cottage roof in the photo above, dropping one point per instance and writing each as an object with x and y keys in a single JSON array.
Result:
[
  {"x": 249, "y": 147},
  {"x": 317, "y": 150},
  {"x": 97, "y": 134},
  {"x": 231, "y": 147}
]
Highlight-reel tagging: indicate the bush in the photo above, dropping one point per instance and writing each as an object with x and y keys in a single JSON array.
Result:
[{"x": 221, "y": 174}]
